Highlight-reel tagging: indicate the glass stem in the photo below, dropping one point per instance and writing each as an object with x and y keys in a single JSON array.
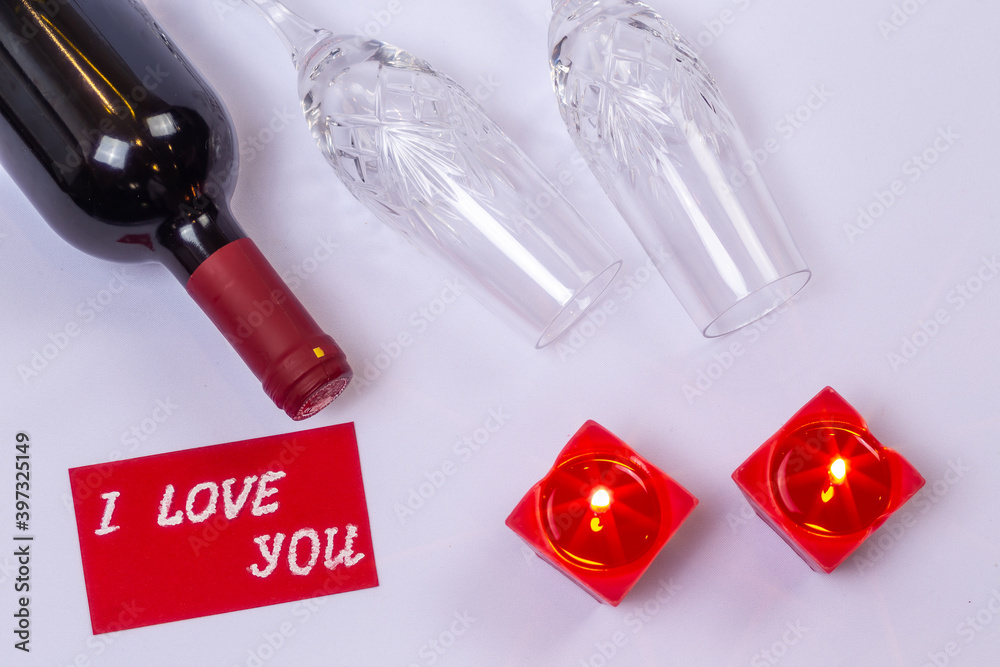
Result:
[{"x": 297, "y": 34}]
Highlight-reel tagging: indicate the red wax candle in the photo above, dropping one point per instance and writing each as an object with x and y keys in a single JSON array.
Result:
[
  {"x": 824, "y": 483},
  {"x": 602, "y": 514}
]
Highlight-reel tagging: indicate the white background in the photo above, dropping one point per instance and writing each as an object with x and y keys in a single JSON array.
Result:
[{"x": 737, "y": 586}]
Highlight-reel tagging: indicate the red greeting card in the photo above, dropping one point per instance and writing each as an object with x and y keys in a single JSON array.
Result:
[{"x": 223, "y": 528}]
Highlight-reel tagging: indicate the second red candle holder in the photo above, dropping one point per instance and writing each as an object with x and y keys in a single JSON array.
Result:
[
  {"x": 824, "y": 483},
  {"x": 602, "y": 514}
]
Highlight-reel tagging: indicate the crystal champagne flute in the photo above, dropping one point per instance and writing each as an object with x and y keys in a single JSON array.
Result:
[
  {"x": 648, "y": 118},
  {"x": 424, "y": 156}
]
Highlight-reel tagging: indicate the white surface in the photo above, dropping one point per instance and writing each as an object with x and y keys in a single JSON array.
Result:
[{"x": 737, "y": 586}]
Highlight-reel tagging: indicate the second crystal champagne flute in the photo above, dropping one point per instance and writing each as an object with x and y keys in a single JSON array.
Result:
[
  {"x": 415, "y": 147},
  {"x": 646, "y": 115}
]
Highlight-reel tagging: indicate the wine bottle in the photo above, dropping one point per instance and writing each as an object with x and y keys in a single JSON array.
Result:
[{"x": 129, "y": 155}]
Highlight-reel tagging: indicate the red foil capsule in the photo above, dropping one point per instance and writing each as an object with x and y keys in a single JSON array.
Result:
[
  {"x": 824, "y": 483},
  {"x": 301, "y": 368},
  {"x": 602, "y": 514}
]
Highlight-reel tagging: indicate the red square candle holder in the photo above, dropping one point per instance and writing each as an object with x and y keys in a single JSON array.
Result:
[
  {"x": 602, "y": 514},
  {"x": 824, "y": 483}
]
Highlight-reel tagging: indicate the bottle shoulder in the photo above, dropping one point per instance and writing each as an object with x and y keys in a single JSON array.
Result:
[{"x": 131, "y": 171}]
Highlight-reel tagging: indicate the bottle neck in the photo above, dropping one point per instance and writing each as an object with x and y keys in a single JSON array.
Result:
[
  {"x": 301, "y": 368},
  {"x": 195, "y": 234}
]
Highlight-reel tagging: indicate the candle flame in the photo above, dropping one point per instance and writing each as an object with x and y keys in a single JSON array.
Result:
[
  {"x": 600, "y": 499},
  {"x": 838, "y": 470}
]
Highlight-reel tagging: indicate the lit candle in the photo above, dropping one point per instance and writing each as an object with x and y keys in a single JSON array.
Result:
[
  {"x": 824, "y": 483},
  {"x": 602, "y": 514}
]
